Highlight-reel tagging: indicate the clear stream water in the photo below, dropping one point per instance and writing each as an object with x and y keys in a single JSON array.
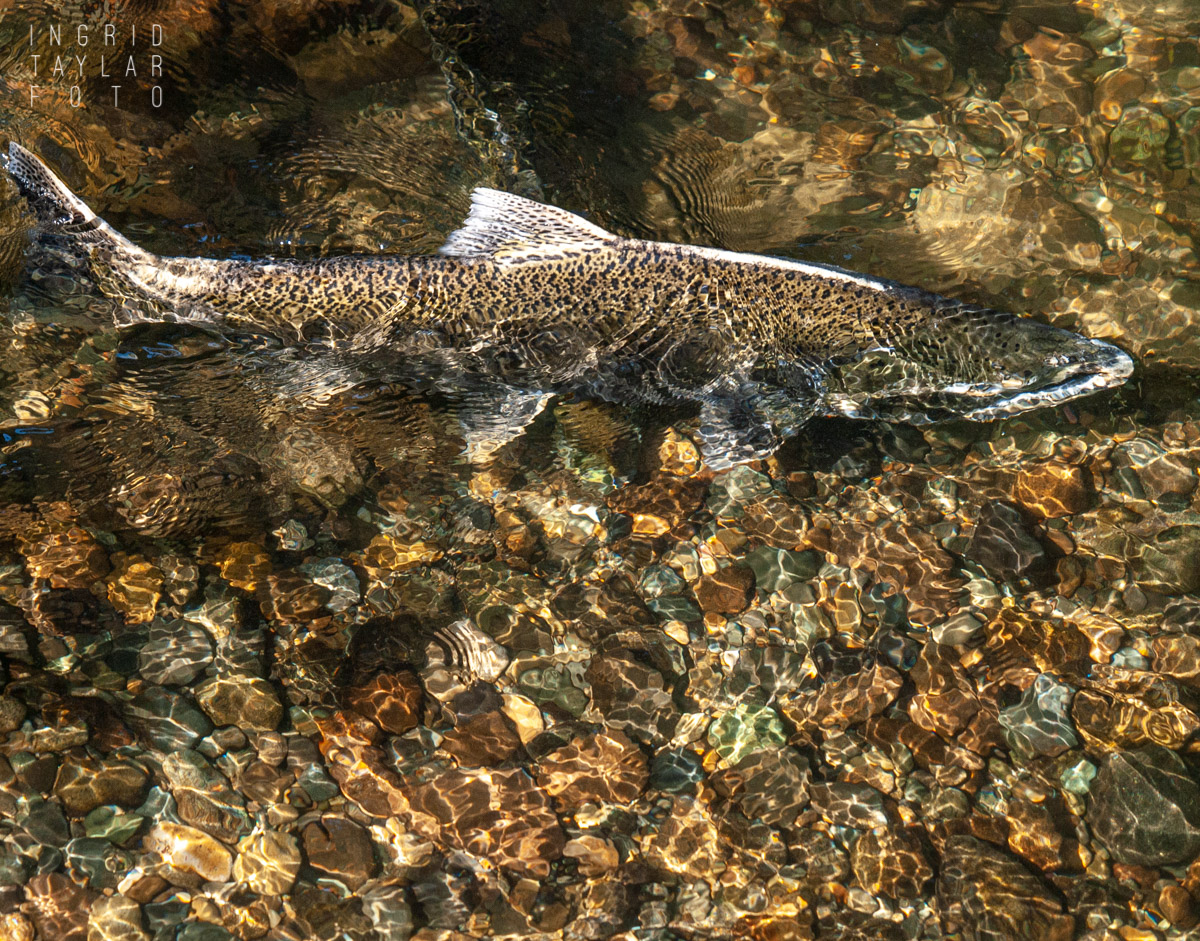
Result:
[{"x": 278, "y": 662}]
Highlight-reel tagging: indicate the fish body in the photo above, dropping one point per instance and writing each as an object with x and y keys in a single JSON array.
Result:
[{"x": 533, "y": 300}]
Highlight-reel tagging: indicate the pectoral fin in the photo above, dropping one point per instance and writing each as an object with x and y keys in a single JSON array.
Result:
[
  {"x": 490, "y": 418},
  {"x": 749, "y": 426}
]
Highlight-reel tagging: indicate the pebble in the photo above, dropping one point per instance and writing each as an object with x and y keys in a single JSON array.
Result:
[
  {"x": 960, "y": 630},
  {"x": 116, "y": 918},
  {"x": 339, "y": 849},
  {"x": 727, "y": 591},
  {"x": 891, "y": 862},
  {"x": 744, "y": 729},
  {"x": 166, "y": 720},
  {"x": 190, "y": 850},
  {"x": 249, "y": 702},
  {"x": 1145, "y": 807},
  {"x": 175, "y": 653},
  {"x": 390, "y": 700},
  {"x": 1179, "y": 907},
  {"x": 601, "y": 768},
  {"x": 84, "y": 783},
  {"x": 1052, "y": 490},
  {"x": 12, "y": 714},
  {"x": 1003, "y": 545},
  {"x": 1040, "y": 724},
  {"x": 1171, "y": 564},
  {"x": 267, "y": 862}
]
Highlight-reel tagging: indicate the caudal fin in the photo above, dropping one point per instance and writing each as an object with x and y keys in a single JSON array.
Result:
[{"x": 56, "y": 208}]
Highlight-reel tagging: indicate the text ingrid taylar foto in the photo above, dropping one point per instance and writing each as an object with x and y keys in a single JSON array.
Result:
[{"x": 72, "y": 54}]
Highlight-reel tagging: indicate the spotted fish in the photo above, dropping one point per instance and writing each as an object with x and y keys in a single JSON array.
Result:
[{"x": 526, "y": 301}]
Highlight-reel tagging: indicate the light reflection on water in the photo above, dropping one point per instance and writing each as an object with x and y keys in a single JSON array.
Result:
[{"x": 894, "y": 682}]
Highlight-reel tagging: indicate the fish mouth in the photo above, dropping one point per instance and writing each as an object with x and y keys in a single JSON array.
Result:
[
  {"x": 1088, "y": 366},
  {"x": 1105, "y": 367}
]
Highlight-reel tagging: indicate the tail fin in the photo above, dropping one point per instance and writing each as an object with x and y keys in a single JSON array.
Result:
[{"x": 57, "y": 209}]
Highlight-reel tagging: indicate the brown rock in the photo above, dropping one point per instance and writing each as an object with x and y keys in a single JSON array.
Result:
[
  {"x": 12, "y": 714},
  {"x": 267, "y": 862},
  {"x": 596, "y": 855},
  {"x": 1032, "y": 834},
  {"x": 244, "y": 565},
  {"x": 601, "y": 768},
  {"x": 501, "y": 815},
  {"x": 292, "y": 598},
  {"x": 264, "y": 783},
  {"x": 71, "y": 559},
  {"x": 83, "y": 784},
  {"x": 483, "y": 740},
  {"x": 985, "y": 889},
  {"x": 665, "y": 496},
  {"x": 58, "y": 908},
  {"x": 340, "y": 849},
  {"x": 1178, "y": 907},
  {"x": 390, "y": 700},
  {"x": 1053, "y": 489},
  {"x": 1177, "y": 655},
  {"x": 189, "y": 850},
  {"x": 891, "y": 862},
  {"x": 249, "y": 702},
  {"x": 843, "y": 702},
  {"x": 1122, "y": 709},
  {"x": 727, "y": 591}
]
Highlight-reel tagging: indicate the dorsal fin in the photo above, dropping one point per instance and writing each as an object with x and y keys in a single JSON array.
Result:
[{"x": 508, "y": 228}]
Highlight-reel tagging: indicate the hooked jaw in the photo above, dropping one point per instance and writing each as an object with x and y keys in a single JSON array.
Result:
[
  {"x": 974, "y": 364},
  {"x": 1106, "y": 367}
]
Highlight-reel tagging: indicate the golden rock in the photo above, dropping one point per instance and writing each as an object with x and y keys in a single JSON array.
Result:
[
  {"x": 70, "y": 559},
  {"x": 677, "y": 455},
  {"x": 134, "y": 589},
  {"x": 1053, "y": 490},
  {"x": 244, "y": 565},
  {"x": 267, "y": 862},
  {"x": 190, "y": 850},
  {"x": 388, "y": 554}
]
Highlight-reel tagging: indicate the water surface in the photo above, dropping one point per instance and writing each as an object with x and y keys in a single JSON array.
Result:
[{"x": 278, "y": 662}]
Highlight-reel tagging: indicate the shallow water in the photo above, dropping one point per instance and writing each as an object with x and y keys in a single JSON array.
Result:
[{"x": 279, "y": 662}]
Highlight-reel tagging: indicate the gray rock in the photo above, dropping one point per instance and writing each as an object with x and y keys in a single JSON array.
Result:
[{"x": 1145, "y": 807}]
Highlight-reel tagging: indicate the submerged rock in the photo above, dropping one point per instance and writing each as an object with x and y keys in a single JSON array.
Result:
[
  {"x": 988, "y": 894},
  {"x": 1145, "y": 807}
]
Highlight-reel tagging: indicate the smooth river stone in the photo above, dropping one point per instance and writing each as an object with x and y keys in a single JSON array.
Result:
[
  {"x": 1054, "y": 490},
  {"x": 988, "y": 894},
  {"x": 726, "y": 591},
  {"x": 1003, "y": 545},
  {"x": 340, "y": 849},
  {"x": 83, "y": 784},
  {"x": 249, "y": 702},
  {"x": 190, "y": 850},
  {"x": 267, "y": 862},
  {"x": 1145, "y": 807}
]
